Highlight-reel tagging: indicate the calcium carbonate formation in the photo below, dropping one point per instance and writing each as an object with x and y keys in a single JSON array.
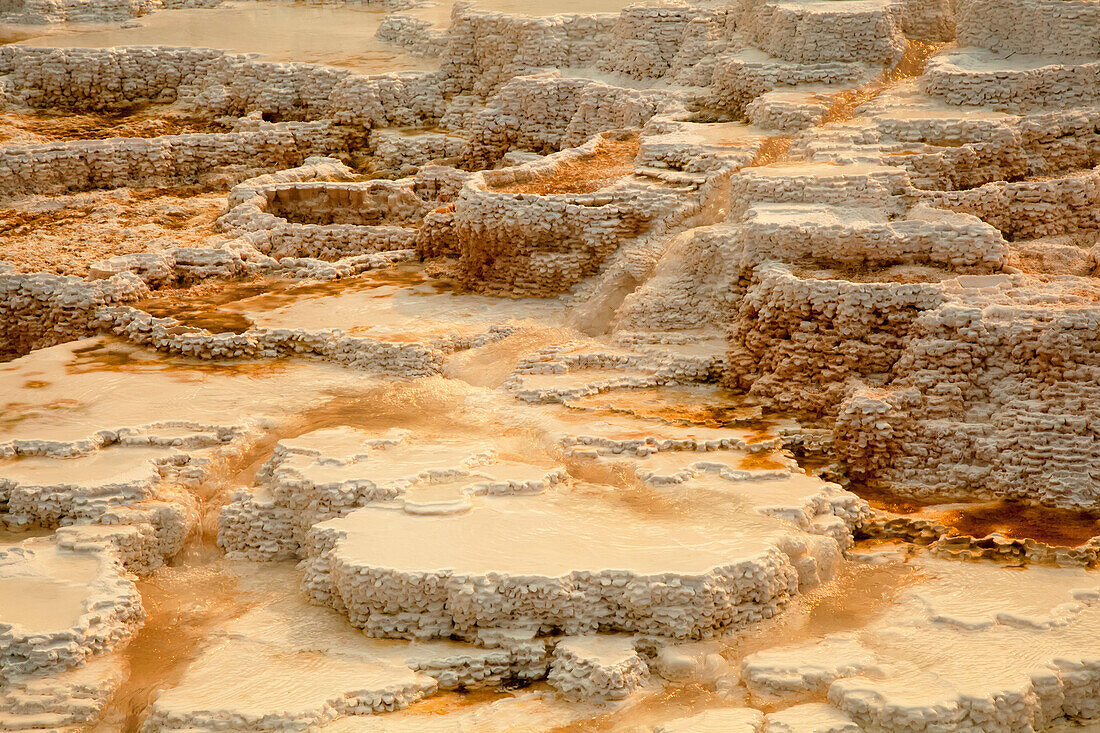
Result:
[{"x": 539, "y": 386}]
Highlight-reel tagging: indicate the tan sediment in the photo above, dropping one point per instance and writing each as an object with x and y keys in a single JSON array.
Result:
[
  {"x": 66, "y": 234},
  {"x": 46, "y": 126},
  {"x": 611, "y": 160},
  {"x": 772, "y": 150},
  {"x": 843, "y": 105},
  {"x": 183, "y": 603}
]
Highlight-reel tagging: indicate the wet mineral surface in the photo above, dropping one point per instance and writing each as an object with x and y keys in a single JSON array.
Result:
[{"x": 673, "y": 366}]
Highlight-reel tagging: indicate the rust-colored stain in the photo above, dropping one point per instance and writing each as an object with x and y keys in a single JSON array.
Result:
[
  {"x": 611, "y": 160},
  {"x": 141, "y": 123}
]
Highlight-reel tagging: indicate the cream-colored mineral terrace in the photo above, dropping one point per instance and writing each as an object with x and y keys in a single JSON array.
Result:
[
  {"x": 65, "y": 395},
  {"x": 304, "y": 484},
  {"x": 49, "y": 490},
  {"x": 472, "y": 367},
  {"x": 562, "y": 386},
  {"x": 368, "y": 563},
  {"x": 61, "y": 607},
  {"x": 68, "y": 701},
  {"x": 698, "y": 147},
  {"x": 589, "y": 435},
  {"x": 390, "y": 306},
  {"x": 82, "y": 442},
  {"x": 597, "y": 667},
  {"x": 347, "y": 31},
  {"x": 313, "y": 672},
  {"x": 318, "y": 668},
  {"x": 1035, "y": 623},
  {"x": 339, "y": 445}
]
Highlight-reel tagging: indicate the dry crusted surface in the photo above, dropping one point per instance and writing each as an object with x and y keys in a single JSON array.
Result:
[
  {"x": 45, "y": 126},
  {"x": 612, "y": 160},
  {"x": 66, "y": 234}
]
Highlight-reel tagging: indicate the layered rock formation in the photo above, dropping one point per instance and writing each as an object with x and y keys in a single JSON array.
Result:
[{"x": 564, "y": 362}]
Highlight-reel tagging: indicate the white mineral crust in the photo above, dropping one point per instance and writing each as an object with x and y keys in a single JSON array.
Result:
[
  {"x": 900, "y": 246},
  {"x": 60, "y": 608},
  {"x": 972, "y": 646},
  {"x": 397, "y": 573}
]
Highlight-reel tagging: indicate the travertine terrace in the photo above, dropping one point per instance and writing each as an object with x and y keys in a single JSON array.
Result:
[{"x": 671, "y": 366}]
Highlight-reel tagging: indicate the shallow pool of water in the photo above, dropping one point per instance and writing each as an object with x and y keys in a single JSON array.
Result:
[{"x": 336, "y": 35}]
